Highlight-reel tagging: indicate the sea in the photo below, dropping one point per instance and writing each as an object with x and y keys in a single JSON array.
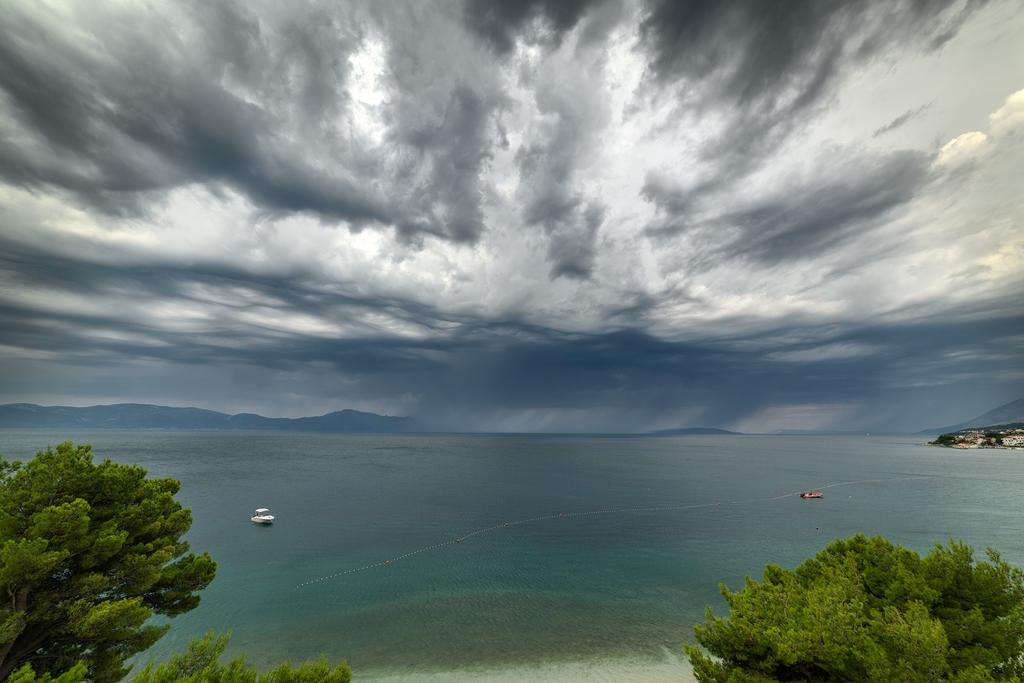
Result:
[{"x": 552, "y": 558}]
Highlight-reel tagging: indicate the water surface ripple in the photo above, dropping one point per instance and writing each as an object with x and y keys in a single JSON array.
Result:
[{"x": 557, "y": 554}]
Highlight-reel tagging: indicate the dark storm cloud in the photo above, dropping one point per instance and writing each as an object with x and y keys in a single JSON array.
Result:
[
  {"x": 803, "y": 220},
  {"x": 750, "y": 52},
  {"x": 461, "y": 144},
  {"x": 570, "y": 220},
  {"x": 673, "y": 203},
  {"x": 480, "y": 371},
  {"x": 442, "y": 111},
  {"x": 401, "y": 115},
  {"x": 223, "y": 97},
  {"x": 573, "y": 248},
  {"x": 500, "y": 21},
  {"x": 549, "y": 183},
  {"x": 299, "y": 290},
  {"x": 548, "y": 187},
  {"x": 901, "y": 120},
  {"x": 146, "y": 112},
  {"x": 804, "y": 224},
  {"x": 765, "y": 68}
]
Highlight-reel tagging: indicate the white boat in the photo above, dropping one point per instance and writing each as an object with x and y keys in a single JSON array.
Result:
[{"x": 263, "y": 516}]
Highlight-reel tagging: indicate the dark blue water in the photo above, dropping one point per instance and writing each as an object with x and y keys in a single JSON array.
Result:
[{"x": 573, "y": 588}]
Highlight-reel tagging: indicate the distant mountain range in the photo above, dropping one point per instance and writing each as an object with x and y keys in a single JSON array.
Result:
[
  {"x": 141, "y": 416},
  {"x": 1007, "y": 427},
  {"x": 691, "y": 430},
  {"x": 1003, "y": 415}
]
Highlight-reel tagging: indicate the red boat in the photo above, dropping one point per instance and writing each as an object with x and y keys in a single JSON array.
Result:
[{"x": 812, "y": 494}]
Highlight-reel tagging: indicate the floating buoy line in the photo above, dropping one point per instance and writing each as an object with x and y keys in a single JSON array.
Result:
[{"x": 588, "y": 513}]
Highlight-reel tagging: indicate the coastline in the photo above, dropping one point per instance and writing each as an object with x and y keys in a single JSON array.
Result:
[
  {"x": 611, "y": 670},
  {"x": 959, "y": 447}
]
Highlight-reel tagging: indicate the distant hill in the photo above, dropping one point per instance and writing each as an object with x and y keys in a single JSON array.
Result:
[
  {"x": 1004, "y": 414},
  {"x": 1009, "y": 426},
  {"x": 691, "y": 430},
  {"x": 141, "y": 416}
]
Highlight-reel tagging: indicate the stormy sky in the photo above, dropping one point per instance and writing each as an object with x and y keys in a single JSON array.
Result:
[{"x": 527, "y": 215}]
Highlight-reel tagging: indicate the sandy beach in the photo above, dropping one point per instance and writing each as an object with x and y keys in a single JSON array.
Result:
[{"x": 621, "y": 670}]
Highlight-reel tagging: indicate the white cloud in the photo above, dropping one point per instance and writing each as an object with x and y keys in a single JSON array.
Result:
[
  {"x": 1009, "y": 118},
  {"x": 963, "y": 148}
]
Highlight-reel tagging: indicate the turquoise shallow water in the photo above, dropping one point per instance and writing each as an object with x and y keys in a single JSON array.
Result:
[{"x": 560, "y": 590}]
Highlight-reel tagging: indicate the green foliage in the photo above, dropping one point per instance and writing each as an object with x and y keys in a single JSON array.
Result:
[
  {"x": 88, "y": 553},
  {"x": 945, "y": 439},
  {"x": 27, "y": 675},
  {"x": 866, "y": 609},
  {"x": 201, "y": 664}
]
